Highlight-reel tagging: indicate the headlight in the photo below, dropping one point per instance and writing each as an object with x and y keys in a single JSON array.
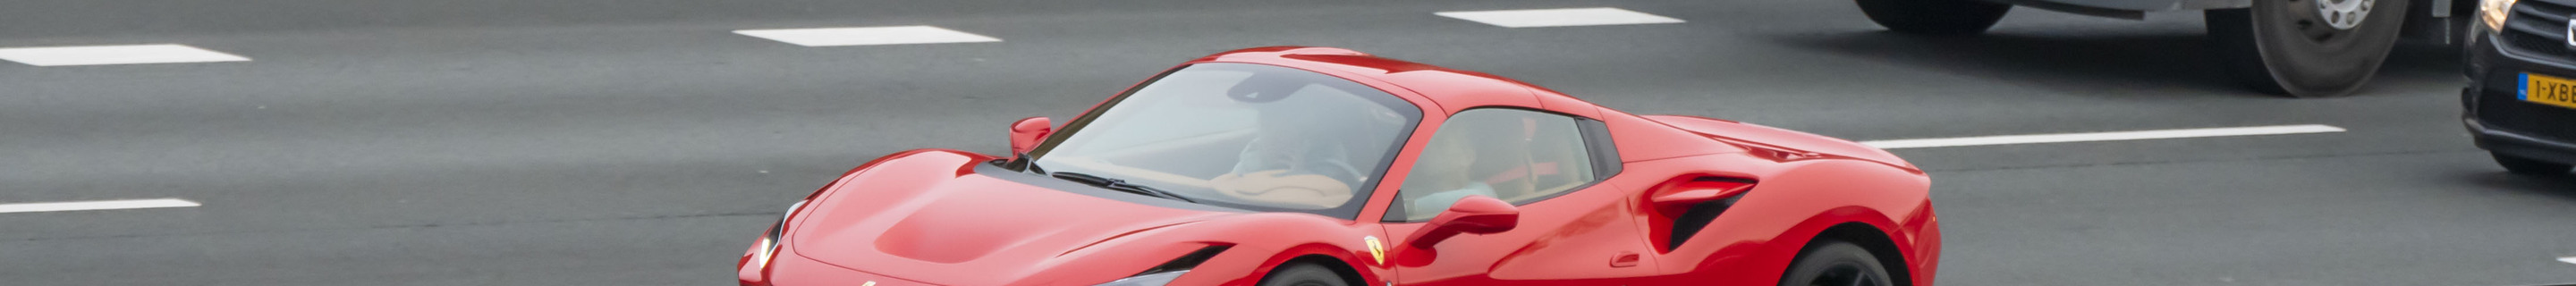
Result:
[
  {"x": 769, "y": 242},
  {"x": 1163, "y": 274},
  {"x": 2493, "y": 12},
  {"x": 1156, "y": 279}
]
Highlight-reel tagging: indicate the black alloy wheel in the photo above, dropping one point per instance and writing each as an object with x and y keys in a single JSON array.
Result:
[
  {"x": 1303, "y": 274},
  {"x": 1836, "y": 264},
  {"x": 2306, "y": 48}
]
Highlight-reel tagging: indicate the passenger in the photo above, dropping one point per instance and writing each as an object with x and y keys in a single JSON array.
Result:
[{"x": 1441, "y": 177}]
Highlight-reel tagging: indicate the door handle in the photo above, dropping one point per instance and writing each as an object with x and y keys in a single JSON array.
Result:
[{"x": 1625, "y": 259}]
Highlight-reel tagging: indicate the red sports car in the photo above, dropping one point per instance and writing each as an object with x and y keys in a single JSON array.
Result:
[{"x": 1324, "y": 166}]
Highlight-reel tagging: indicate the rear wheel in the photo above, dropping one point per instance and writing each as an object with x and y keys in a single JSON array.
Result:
[
  {"x": 1938, "y": 17},
  {"x": 2529, "y": 166},
  {"x": 1303, "y": 274},
  {"x": 1836, "y": 263},
  {"x": 2306, "y": 48}
]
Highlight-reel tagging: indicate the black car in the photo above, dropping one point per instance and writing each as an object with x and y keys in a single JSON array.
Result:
[{"x": 2521, "y": 98}]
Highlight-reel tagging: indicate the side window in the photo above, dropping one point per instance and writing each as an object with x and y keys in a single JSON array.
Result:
[{"x": 1518, "y": 156}]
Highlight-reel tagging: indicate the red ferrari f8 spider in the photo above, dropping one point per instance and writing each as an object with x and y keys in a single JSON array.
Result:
[{"x": 1321, "y": 166}]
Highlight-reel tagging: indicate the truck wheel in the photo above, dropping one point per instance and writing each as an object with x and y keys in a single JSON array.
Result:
[
  {"x": 2306, "y": 48},
  {"x": 1935, "y": 17}
]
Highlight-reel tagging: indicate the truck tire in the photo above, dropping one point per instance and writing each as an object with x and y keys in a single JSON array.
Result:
[
  {"x": 1934, "y": 17},
  {"x": 2306, "y": 48}
]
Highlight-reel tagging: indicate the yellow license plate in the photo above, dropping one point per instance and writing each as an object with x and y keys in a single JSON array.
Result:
[{"x": 2548, "y": 90}]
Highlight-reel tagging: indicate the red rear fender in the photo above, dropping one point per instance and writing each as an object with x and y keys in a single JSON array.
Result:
[{"x": 1760, "y": 234}]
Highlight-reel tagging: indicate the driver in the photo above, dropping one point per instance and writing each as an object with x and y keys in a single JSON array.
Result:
[{"x": 1300, "y": 155}]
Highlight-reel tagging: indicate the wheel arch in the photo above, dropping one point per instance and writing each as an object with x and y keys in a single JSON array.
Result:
[
  {"x": 1870, "y": 238},
  {"x": 1878, "y": 232},
  {"x": 1331, "y": 257},
  {"x": 1265, "y": 242},
  {"x": 1891, "y": 215},
  {"x": 1797, "y": 202},
  {"x": 1343, "y": 268}
]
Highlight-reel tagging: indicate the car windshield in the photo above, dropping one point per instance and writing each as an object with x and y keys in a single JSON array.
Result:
[{"x": 1247, "y": 136}]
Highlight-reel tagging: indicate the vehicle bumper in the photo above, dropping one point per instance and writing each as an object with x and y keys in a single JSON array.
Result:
[
  {"x": 2494, "y": 115},
  {"x": 2519, "y": 145},
  {"x": 790, "y": 269}
]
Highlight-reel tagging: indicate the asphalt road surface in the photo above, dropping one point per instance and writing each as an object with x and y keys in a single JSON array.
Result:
[{"x": 598, "y": 142}]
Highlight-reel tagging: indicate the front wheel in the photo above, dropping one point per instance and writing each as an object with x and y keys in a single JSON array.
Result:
[
  {"x": 2306, "y": 48},
  {"x": 1836, "y": 263},
  {"x": 1303, "y": 274},
  {"x": 2528, "y": 166},
  {"x": 1937, "y": 17}
]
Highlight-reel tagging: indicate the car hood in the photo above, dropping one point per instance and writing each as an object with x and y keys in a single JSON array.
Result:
[
  {"x": 972, "y": 229},
  {"x": 1779, "y": 139}
]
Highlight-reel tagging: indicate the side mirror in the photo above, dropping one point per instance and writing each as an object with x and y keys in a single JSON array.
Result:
[
  {"x": 1471, "y": 215},
  {"x": 1028, "y": 132}
]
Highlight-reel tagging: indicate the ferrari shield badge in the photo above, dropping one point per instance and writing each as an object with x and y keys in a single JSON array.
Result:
[{"x": 1377, "y": 250}]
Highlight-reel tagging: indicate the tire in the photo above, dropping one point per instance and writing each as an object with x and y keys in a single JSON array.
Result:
[
  {"x": 2529, "y": 166},
  {"x": 1836, "y": 263},
  {"x": 1303, "y": 274},
  {"x": 1934, "y": 17},
  {"x": 2286, "y": 47}
]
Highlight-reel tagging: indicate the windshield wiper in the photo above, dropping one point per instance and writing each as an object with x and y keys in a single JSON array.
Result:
[
  {"x": 1028, "y": 165},
  {"x": 1117, "y": 184}
]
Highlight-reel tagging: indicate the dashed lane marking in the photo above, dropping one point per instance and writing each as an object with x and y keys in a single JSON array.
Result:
[
  {"x": 1559, "y": 17},
  {"x": 2569, "y": 259},
  {"x": 115, "y": 55},
  {"x": 2102, "y": 136},
  {"x": 862, "y": 36},
  {"x": 95, "y": 205}
]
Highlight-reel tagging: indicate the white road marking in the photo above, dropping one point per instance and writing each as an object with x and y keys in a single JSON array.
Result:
[
  {"x": 2569, "y": 259},
  {"x": 115, "y": 55},
  {"x": 1559, "y": 17},
  {"x": 861, "y": 36},
  {"x": 95, "y": 205},
  {"x": 2101, "y": 136}
]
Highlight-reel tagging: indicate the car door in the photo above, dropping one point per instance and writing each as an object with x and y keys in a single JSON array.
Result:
[{"x": 1572, "y": 229}]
